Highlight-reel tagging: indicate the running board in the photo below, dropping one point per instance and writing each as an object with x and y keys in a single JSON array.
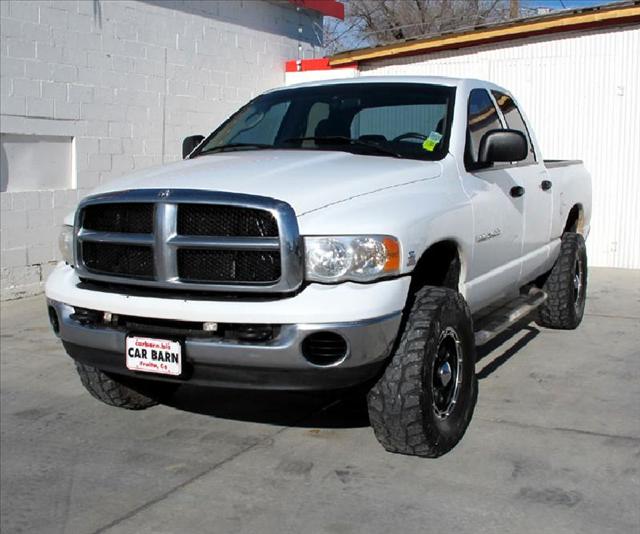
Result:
[{"x": 501, "y": 319}]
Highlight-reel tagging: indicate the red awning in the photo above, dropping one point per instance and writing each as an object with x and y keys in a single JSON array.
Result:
[
  {"x": 329, "y": 8},
  {"x": 322, "y": 63}
]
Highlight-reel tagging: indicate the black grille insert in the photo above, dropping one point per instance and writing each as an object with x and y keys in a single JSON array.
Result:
[
  {"x": 119, "y": 260},
  {"x": 207, "y": 265},
  {"x": 132, "y": 218},
  {"x": 224, "y": 221}
]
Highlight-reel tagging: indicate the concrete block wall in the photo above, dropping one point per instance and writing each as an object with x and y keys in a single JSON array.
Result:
[
  {"x": 30, "y": 228},
  {"x": 128, "y": 80}
]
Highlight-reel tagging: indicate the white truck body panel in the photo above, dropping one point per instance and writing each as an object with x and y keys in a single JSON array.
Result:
[
  {"x": 342, "y": 303},
  {"x": 307, "y": 179},
  {"x": 504, "y": 241},
  {"x": 420, "y": 202}
]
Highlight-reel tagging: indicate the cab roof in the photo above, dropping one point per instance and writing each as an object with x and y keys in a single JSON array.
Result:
[{"x": 430, "y": 80}]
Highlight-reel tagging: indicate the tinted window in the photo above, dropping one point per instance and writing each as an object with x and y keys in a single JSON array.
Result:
[
  {"x": 393, "y": 121},
  {"x": 482, "y": 117},
  {"x": 318, "y": 112},
  {"x": 514, "y": 120},
  {"x": 403, "y": 119},
  {"x": 256, "y": 123}
]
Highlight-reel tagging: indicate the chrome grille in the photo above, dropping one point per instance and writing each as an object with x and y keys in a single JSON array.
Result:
[{"x": 189, "y": 239}]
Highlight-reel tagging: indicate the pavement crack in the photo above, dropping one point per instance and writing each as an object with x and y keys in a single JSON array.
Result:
[
  {"x": 183, "y": 484},
  {"x": 211, "y": 469},
  {"x": 561, "y": 429}
]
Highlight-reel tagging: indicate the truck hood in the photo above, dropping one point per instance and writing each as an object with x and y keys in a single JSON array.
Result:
[{"x": 307, "y": 179}]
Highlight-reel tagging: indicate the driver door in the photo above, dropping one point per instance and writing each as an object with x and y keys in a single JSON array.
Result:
[{"x": 498, "y": 212}]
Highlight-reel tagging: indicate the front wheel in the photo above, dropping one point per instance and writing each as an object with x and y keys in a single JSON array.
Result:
[{"x": 424, "y": 402}]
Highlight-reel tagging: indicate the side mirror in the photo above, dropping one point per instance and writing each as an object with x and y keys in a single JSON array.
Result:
[
  {"x": 190, "y": 143},
  {"x": 503, "y": 145}
]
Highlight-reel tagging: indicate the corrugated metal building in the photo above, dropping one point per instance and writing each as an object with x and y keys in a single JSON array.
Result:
[{"x": 577, "y": 76}]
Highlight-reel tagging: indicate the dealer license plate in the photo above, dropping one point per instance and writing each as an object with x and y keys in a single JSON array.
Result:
[{"x": 151, "y": 355}]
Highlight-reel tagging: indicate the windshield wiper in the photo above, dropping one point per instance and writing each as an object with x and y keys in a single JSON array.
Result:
[
  {"x": 222, "y": 148},
  {"x": 341, "y": 139}
]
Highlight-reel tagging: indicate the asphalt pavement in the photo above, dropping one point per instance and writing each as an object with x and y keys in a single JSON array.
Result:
[{"x": 554, "y": 446}]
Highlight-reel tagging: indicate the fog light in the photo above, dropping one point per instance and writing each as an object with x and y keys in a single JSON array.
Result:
[{"x": 324, "y": 348}]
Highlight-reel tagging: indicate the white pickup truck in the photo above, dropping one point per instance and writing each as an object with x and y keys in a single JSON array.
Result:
[{"x": 369, "y": 231}]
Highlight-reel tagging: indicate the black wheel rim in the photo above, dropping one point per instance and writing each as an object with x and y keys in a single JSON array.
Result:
[{"x": 447, "y": 373}]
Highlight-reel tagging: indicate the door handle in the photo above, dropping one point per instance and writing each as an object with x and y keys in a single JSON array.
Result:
[
  {"x": 516, "y": 191},
  {"x": 545, "y": 185}
]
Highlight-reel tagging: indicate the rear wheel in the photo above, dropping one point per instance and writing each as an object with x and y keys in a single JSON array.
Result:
[
  {"x": 121, "y": 391},
  {"x": 566, "y": 286},
  {"x": 424, "y": 402}
]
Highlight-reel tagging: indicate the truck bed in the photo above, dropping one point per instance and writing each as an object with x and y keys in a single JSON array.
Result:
[{"x": 551, "y": 163}]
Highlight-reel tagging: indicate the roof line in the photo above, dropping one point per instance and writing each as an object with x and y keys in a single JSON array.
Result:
[{"x": 552, "y": 24}]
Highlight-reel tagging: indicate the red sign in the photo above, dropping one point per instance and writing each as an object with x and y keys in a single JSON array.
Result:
[{"x": 329, "y": 8}]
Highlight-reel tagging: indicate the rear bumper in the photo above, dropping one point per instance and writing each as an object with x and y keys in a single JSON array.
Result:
[{"x": 274, "y": 364}]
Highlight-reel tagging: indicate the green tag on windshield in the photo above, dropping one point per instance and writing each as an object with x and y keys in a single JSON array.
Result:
[{"x": 432, "y": 141}]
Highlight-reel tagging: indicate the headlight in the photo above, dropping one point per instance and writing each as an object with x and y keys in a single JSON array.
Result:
[
  {"x": 65, "y": 243},
  {"x": 358, "y": 258}
]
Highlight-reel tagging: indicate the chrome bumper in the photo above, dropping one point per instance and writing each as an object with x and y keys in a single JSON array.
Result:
[{"x": 275, "y": 364}]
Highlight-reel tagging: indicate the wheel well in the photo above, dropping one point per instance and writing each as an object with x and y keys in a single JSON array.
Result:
[
  {"x": 438, "y": 266},
  {"x": 575, "y": 220}
]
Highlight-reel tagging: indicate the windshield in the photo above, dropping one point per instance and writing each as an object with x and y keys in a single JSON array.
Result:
[{"x": 406, "y": 120}]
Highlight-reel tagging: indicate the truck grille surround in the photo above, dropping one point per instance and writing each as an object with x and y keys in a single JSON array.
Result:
[{"x": 189, "y": 239}]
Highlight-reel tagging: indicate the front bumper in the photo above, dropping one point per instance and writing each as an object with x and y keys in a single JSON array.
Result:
[
  {"x": 316, "y": 304},
  {"x": 274, "y": 364}
]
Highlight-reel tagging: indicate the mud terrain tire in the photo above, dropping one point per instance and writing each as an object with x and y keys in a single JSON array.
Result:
[
  {"x": 566, "y": 286},
  {"x": 121, "y": 391},
  {"x": 413, "y": 408}
]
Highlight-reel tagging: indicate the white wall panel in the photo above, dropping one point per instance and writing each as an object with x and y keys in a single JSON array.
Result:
[
  {"x": 36, "y": 162},
  {"x": 581, "y": 92}
]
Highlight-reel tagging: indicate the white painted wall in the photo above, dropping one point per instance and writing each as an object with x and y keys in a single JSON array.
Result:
[
  {"x": 292, "y": 78},
  {"x": 127, "y": 80},
  {"x": 581, "y": 92}
]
